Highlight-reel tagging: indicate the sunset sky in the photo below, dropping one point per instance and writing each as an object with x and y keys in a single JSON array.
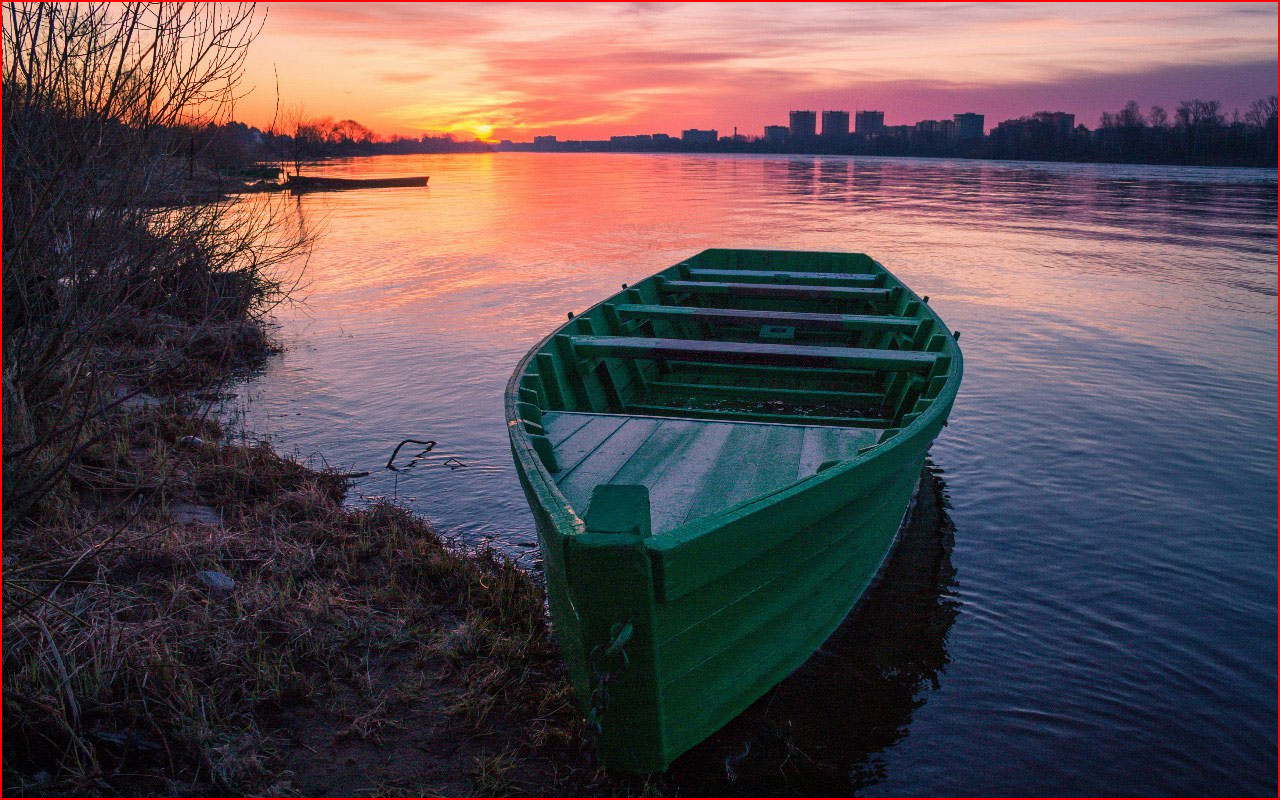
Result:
[{"x": 589, "y": 71}]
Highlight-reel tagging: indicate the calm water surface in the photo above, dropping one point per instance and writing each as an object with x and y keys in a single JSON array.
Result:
[{"x": 1099, "y": 613}]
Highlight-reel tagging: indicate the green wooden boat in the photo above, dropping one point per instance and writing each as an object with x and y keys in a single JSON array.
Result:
[{"x": 718, "y": 459}]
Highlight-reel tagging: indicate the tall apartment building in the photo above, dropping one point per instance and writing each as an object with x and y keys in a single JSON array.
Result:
[
  {"x": 969, "y": 125},
  {"x": 804, "y": 124},
  {"x": 868, "y": 123},
  {"x": 835, "y": 124},
  {"x": 695, "y": 136},
  {"x": 1064, "y": 123}
]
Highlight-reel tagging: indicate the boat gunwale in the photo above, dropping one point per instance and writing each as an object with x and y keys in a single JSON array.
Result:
[{"x": 569, "y": 522}]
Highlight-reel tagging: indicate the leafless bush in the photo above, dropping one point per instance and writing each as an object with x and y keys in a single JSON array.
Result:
[{"x": 125, "y": 268}]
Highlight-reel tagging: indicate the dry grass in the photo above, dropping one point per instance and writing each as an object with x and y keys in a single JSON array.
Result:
[
  {"x": 184, "y": 614},
  {"x": 345, "y": 629}
]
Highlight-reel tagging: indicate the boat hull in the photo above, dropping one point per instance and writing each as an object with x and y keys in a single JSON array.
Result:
[
  {"x": 667, "y": 636},
  {"x": 719, "y": 647}
]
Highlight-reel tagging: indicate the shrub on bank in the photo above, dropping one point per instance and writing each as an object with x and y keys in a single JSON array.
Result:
[{"x": 122, "y": 274}]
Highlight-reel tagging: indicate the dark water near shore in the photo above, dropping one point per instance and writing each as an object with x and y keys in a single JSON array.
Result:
[{"x": 1102, "y": 616}]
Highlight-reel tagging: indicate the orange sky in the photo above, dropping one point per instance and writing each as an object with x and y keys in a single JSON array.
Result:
[{"x": 589, "y": 71}]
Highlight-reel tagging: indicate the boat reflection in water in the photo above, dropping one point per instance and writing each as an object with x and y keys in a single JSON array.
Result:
[{"x": 820, "y": 731}]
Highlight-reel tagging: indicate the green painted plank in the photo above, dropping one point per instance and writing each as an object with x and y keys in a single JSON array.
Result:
[
  {"x": 560, "y": 425},
  {"x": 586, "y": 439},
  {"x": 752, "y": 416},
  {"x": 764, "y": 636},
  {"x": 775, "y": 291},
  {"x": 679, "y": 476},
  {"x": 685, "y": 730},
  {"x": 786, "y": 376},
  {"x": 775, "y": 466},
  {"x": 777, "y": 564},
  {"x": 833, "y": 585},
  {"x": 678, "y": 466},
  {"x": 741, "y": 352},
  {"x": 838, "y": 322},
  {"x": 575, "y": 393},
  {"x": 829, "y": 444},
  {"x": 762, "y": 392},
  {"x": 735, "y": 473},
  {"x": 701, "y": 551},
  {"x": 757, "y": 660},
  {"x": 558, "y": 392},
  {"x": 604, "y": 462},
  {"x": 609, "y": 574},
  {"x": 784, "y": 259},
  {"x": 771, "y": 276}
]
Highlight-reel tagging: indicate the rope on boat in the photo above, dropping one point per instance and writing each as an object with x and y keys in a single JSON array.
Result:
[{"x": 619, "y": 635}]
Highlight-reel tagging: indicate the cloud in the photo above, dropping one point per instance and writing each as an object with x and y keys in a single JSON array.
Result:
[
  {"x": 401, "y": 77},
  {"x": 380, "y": 22},
  {"x": 592, "y": 69}
]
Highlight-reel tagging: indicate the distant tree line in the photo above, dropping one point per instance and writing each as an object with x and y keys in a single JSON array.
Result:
[
  {"x": 1199, "y": 132},
  {"x": 298, "y": 140},
  {"x": 1196, "y": 132}
]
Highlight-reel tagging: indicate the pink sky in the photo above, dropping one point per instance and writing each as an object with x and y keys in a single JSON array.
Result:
[{"x": 590, "y": 71}]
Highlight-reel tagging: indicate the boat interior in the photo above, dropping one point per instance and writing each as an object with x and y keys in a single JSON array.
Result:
[{"x": 730, "y": 376}]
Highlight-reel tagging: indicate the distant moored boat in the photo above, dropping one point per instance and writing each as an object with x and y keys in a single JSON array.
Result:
[
  {"x": 718, "y": 459},
  {"x": 303, "y": 183}
]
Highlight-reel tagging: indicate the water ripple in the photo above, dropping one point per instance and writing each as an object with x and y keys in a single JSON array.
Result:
[{"x": 1110, "y": 462}]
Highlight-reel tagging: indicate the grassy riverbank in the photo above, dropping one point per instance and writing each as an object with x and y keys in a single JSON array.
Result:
[
  {"x": 235, "y": 629},
  {"x": 187, "y": 612}
]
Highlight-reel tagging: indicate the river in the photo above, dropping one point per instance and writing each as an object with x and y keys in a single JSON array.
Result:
[{"x": 1099, "y": 613}]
